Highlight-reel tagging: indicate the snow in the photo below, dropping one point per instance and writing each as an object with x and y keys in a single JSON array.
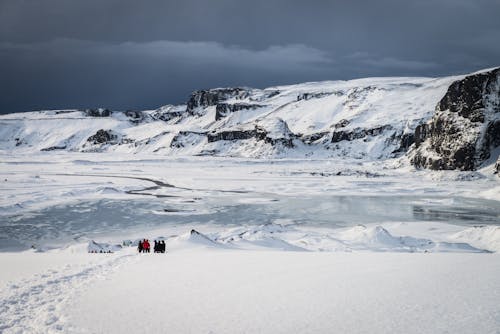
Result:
[
  {"x": 401, "y": 103},
  {"x": 287, "y": 292},
  {"x": 487, "y": 237},
  {"x": 280, "y": 246},
  {"x": 317, "y": 238},
  {"x": 196, "y": 288}
]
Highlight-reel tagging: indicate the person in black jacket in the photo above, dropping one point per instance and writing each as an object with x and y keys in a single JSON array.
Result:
[{"x": 140, "y": 246}]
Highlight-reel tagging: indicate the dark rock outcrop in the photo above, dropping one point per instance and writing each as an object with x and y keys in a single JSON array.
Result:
[
  {"x": 135, "y": 116},
  {"x": 272, "y": 93},
  {"x": 206, "y": 98},
  {"x": 280, "y": 136},
  {"x": 314, "y": 137},
  {"x": 497, "y": 167},
  {"x": 465, "y": 127},
  {"x": 53, "y": 148},
  {"x": 308, "y": 96},
  {"x": 223, "y": 109},
  {"x": 62, "y": 112},
  {"x": 102, "y": 137},
  {"x": 99, "y": 112},
  {"x": 235, "y": 135},
  {"x": 358, "y": 133},
  {"x": 166, "y": 114},
  {"x": 405, "y": 140},
  {"x": 20, "y": 141},
  {"x": 342, "y": 124},
  {"x": 186, "y": 138}
]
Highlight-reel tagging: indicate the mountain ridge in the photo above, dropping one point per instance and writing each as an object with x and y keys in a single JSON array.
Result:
[{"x": 367, "y": 119}]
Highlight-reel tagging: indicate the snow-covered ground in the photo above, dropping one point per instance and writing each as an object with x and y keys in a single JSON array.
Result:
[
  {"x": 291, "y": 209},
  {"x": 217, "y": 291},
  {"x": 279, "y": 246}
]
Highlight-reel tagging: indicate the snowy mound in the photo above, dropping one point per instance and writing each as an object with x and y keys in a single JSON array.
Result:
[
  {"x": 269, "y": 236},
  {"x": 374, "y": 238},
  {"x": 377, "y": 238},
  {"x": 487, "y": 237},
  {"x": 192, "y": 239}
]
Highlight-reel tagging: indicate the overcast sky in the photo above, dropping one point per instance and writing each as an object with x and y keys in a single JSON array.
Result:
[{"x": 141, "y": 54}]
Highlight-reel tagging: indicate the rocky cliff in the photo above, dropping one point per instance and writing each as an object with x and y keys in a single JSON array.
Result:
[{"x": 465, "y": 127}]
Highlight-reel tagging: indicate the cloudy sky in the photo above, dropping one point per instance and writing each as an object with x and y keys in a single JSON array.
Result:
[{"x": 130, "y": 54}]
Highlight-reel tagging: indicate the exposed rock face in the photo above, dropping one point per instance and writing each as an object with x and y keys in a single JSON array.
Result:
[
  {"x": 275, "y": 132},
  {"x": 224, "y": 109},
  {"x": 135, "y": 116},
  {"x": 313, "y": 138},
  {"x": 342, "y": 124},
  {"x": 497, "y": 167},
  {"x": 358, "y": 133},
  {"x": 465, "y": 127},
  {"x": 99, "y": 112},
  {"x": 206, "y": 98},
  {"x": 308, "y": 96},
  {"x": 102, "y": 137},
  {"x": 54, "y": 148},
  {"x": 405, "y": 141},
  {"x": 167, "y": 113},
  {"x": 272, "y": 94},
  {"x": 186, "y": 138},
  {"x": 167, "y": 116},
  {"x": 236, "y": 135}
]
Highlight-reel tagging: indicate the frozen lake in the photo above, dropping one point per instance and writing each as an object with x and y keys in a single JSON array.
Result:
[
  {"x": 91, "y": 219},
  {"x": 53, "y": 199}
]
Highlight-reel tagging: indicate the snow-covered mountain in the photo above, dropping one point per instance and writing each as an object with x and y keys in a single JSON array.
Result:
[{"x": 374, "y": 118}]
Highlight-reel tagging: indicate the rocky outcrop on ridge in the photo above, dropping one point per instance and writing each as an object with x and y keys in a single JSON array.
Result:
[
  {"x": 210, "y": 97},
  {"x": 272, "y": 132},
  {"x": 465, "y": 127},
  {"x": 358, "y": 133},
  {"x": 102, "y": 137},
  {"x": 224, "y": 109},
  {"x": 99, "y": 112}
]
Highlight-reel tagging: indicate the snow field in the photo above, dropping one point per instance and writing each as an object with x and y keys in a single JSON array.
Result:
[
  {"x": 275, "y": 278},
  {"x": 206, "y": 290}
]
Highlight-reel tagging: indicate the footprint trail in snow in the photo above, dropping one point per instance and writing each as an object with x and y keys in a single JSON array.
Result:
[{"x": 35, "y": 305}]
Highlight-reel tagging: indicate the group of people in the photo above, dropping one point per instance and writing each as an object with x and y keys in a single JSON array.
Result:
[{"x": 145, "y": 247}]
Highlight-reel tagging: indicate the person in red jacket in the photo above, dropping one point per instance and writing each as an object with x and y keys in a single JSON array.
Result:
[{"x": 146, "y": 245}]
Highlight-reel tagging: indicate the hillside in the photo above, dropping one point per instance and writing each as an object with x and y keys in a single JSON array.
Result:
[{"x": 368, "y": 119}]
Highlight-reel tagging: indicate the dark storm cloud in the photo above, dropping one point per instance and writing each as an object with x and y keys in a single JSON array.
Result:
[{"x": 142, "y": 54}]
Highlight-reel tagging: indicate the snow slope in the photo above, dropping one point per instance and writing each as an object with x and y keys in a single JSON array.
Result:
[{"x": 260, "y": 292}]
